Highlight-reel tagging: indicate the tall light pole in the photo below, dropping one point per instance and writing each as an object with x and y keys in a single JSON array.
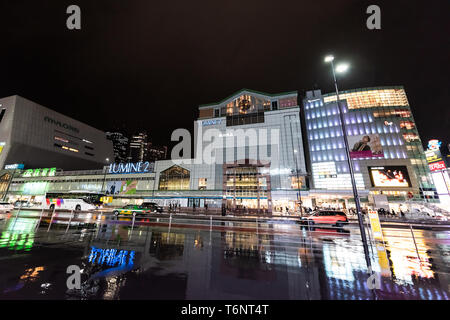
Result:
[
  {"x": 340, "y": 68},
  {"x": 104, "y": 175}
]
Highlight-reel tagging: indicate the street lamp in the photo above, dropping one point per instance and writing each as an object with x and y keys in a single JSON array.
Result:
[{"x": 341, "y": 68}]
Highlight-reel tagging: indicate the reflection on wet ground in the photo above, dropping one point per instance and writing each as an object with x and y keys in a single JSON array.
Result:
[{"x": 118, "y": 261}]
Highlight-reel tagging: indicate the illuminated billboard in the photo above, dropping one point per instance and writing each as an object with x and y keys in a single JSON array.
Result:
[
  {"x": 365, "y": 146},
  {"x": 138, "y": 167},
  {"x": 121, "y": 187},
  {"x": 436, "y": 166},
  {"x": 389, "y": 176}
]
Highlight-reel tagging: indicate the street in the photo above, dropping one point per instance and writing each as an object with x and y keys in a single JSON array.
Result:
[{"x": 177, "y": 257}]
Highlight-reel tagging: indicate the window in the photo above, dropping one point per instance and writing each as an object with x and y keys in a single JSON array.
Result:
[
  {"x": 216, "y": 113},
  {"x": 2, "y": 114},
  {"x": 407, "y": 124},
  {"x": 274, "y": 105},
  {"x": 202, "y": 183},
  {"x": 174, "y": 178}
]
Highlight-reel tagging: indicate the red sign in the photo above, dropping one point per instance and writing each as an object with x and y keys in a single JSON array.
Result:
[{"x": 440, "y": 165}]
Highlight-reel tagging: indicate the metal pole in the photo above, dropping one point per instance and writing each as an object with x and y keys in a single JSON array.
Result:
[
  {"x": 415, "y": 244},
  {"x": 51, "y": 220},
  {"x": 352, "y": 175},
  {"x": 9, "y": 184},
  {"x": 70, "y": 220},
  {"x": 40, "y": 218},
  {"x": 17, "y": 214}
]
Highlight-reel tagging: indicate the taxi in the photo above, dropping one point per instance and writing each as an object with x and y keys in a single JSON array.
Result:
[{"x": 138, "y": 210}]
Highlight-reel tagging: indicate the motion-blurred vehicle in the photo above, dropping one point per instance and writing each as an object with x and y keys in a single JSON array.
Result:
[
  {"x": 6, "y": 207},
  {"x": 22, "y": 204},
  {"x": 336, "y": 218},
  {"x": 73, "y": 200},
  {"x": 138, "y": 210}
]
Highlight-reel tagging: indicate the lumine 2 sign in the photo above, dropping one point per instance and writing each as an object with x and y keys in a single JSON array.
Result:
[{"x": 138, "y": 167}]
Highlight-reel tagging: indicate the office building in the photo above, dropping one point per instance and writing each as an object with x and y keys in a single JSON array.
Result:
[{"x": 34, "y": 136}]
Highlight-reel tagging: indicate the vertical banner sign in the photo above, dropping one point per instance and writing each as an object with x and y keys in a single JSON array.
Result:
[{"x": 375, "y": 225}]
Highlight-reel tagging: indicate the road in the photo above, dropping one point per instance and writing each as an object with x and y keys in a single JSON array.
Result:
[{"x": 163, "y": 257}]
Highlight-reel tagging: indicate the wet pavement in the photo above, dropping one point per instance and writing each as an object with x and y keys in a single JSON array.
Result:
[{"x": 203, "y": 259}]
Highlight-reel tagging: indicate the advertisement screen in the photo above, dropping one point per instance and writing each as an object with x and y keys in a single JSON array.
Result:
[
  {"x": 435, "y": 166},
  {"x": 392, "y": 176},
  {"x": 433, "y": 155},
  {"x": 121, "y": 187},
  {"x": 365, "y": 146}
]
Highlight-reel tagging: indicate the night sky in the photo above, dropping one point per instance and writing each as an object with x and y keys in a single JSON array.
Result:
[{"x": 141, "y": 64}]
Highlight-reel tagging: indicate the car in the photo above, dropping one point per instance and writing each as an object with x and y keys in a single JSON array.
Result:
[
  {"x": 138, "y": 210},
  {"x": 336, "y": 218},
  {"x": 6, "y": 207},
  {"x": 153, "y": 206}
]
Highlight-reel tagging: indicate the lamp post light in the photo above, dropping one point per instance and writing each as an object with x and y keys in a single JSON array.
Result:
[{"x": 341, "y": 68}]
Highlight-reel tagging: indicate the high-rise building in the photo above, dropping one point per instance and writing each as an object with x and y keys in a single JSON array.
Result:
[
  {"x": 156, "y": 153},
  {"x": 138, "y": 149},
  {"x": 384, "y": 143},
  {"x": 120, "y": 146}
]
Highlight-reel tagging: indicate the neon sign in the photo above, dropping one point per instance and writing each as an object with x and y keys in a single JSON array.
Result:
[
  {"x": 111, "y": 257},
  {"x": 440, "y": 165},
  {"x": 211, "y": 122},
  {"x": 434, "y": 144},
  {"x": 14, "y": 166},
  {"x": 138, "y": 167},
  {"x": 41, "y": 172}
]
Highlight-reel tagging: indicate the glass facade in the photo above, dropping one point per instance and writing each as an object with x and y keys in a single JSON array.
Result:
[
  {"x": 174, "y": 178},
  {"x": 383, "y": 113}
]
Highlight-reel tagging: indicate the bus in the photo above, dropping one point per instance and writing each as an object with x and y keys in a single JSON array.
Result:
[{"x": 73, "y": 200}]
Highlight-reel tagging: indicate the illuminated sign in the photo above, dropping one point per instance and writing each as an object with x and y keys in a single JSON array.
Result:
[
  {"x": 211, "y": 122},
  {"x": 375, "y": 225},
  {"x": 365, "y": 146},
  {"x": 41, "y": 172},
  {"x": 138, "y": 167},
  {"x": 14, "y": 166},
  {"x": 434, "y": 144},
  {"x": 389, "y": 176},
  {"x": 111, "y": 257},
  {"x": 440, "y": 165},
  {"x": 61, "y": 124},
  {"x": 433, "y": 155}
]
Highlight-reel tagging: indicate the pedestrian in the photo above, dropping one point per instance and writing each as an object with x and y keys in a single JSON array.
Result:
[
  {"x": 287, "y": 210},
  {"x": 193, "y": 206},
  {"x": 402, "y": 213}
]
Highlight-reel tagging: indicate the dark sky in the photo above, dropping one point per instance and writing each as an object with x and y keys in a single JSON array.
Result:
[{"x": 149, "y": 64}]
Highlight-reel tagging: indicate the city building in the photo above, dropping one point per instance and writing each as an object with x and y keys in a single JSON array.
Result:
[
  {"x": 33, "y": 136},
  {"x": 138, "y": 148},
  {"x": 258, "y": 150},
  {"x": 384, "y": 143},
  {"x": 258, "y": 163},
  {"x": 120, "y": 146},
  {"x": 156, "y": 153}
]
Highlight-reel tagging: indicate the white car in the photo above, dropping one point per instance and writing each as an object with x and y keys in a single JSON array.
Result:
[{"x": 6, "y": 207}]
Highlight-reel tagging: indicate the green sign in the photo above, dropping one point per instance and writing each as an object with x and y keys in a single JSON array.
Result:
[{"x": 41, "y": 172}]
